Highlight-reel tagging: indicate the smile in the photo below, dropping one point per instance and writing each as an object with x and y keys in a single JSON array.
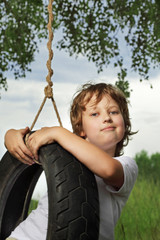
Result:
[{"x": 108, "y": 129}]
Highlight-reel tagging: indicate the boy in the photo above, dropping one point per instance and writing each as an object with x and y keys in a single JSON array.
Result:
[{"x": 101, "y": 128}]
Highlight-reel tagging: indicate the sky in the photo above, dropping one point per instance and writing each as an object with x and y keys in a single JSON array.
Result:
[{"x": 19, "y": 105}]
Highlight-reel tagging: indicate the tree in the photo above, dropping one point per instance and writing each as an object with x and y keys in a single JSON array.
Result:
[
  {"x": 148, "y": 166},
  {"x": 21, "y": 22},
  {"x": 89, "y": 27}
]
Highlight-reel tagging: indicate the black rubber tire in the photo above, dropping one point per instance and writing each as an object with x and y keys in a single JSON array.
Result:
[
  {"x": 17, "y": 182},
  {"x": 72, "y": 194}
]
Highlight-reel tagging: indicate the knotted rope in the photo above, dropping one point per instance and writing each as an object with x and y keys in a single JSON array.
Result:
[{"x": 48, "y": 89}]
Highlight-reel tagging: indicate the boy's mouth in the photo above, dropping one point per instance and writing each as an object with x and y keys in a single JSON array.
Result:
[{"x": 109, "y": 128}]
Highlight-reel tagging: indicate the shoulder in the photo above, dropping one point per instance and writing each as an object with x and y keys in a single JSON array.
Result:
[
  {"x": 130, "y": 169},
  {"x": 128, "y": 162}
]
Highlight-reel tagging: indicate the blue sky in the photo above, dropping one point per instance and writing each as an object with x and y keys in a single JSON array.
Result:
[{"x": 21, "y": 102}]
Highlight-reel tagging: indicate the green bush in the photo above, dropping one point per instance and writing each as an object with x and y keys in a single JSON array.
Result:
[{"x": 149, "y": 166}]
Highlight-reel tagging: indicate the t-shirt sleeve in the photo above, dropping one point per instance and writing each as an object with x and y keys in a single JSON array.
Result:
[{"x": 130, "y": 169}]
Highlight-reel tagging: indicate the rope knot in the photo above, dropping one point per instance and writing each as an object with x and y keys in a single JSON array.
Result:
[{"x": 48, "y": 91}]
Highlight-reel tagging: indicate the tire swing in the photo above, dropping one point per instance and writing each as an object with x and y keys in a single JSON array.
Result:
[{"x": 73, "y": 204}]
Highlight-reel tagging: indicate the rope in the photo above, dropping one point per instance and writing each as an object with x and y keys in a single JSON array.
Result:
[{"x": 48, "y": 89}]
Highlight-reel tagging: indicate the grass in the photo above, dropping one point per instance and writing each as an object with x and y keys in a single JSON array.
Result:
[
  {"x": 33, "y": 205},
  {"x": 140, "y": 218}
]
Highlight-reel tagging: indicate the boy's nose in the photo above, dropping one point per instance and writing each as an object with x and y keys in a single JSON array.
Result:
[{"x": 107, "y": 117}]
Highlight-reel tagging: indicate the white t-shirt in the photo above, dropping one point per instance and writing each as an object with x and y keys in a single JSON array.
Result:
[
  {"x": 111, "y": 204},
  {"x": 111, "y": 201}
]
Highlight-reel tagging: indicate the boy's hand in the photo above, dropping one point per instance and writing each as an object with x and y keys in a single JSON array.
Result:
[
  {"x": 39, "y": 138},
  {"x": 15, "y": 144}
]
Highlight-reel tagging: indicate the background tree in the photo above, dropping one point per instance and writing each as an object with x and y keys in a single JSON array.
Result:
[
  {"x": 20, "y": 23},
  {"x": 148, "y": 165},
  {"x": 90, "y": 27}
]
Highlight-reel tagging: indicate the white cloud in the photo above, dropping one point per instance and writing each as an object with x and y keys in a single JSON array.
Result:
[{"x": 145, "y": 113}]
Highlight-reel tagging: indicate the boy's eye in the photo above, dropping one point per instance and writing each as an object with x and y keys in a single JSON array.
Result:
[
  {"x": 114, "y": 112},
  {"x": 94, "y": 114}
]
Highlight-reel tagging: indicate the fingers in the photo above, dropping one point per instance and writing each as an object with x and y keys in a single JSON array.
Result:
[
  {"x": 23, "y": 154},
  {"x": 24, "y": 131},
  {"x": 38, "y": 139},
  {"x": 33, "y": 145},
  {"x": 26, "y": 155},
  {"x": 24, "y": 158}
]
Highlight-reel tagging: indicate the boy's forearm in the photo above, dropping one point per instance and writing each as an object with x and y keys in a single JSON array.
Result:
[{"x": 98, "y": 161}]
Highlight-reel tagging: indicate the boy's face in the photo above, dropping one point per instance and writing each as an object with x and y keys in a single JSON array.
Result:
[{"x": 103, "y": 123}]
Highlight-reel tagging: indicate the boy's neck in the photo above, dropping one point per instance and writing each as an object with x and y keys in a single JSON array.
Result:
[{"x": 111, "y": 152}]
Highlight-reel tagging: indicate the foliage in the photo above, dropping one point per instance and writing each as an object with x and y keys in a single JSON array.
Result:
[
  {"x": 149, "y": 166},
  {"x": 92, "y": 28},
  {"x": 20, "y": 23},
  {"x": 89, "y": 27}
]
